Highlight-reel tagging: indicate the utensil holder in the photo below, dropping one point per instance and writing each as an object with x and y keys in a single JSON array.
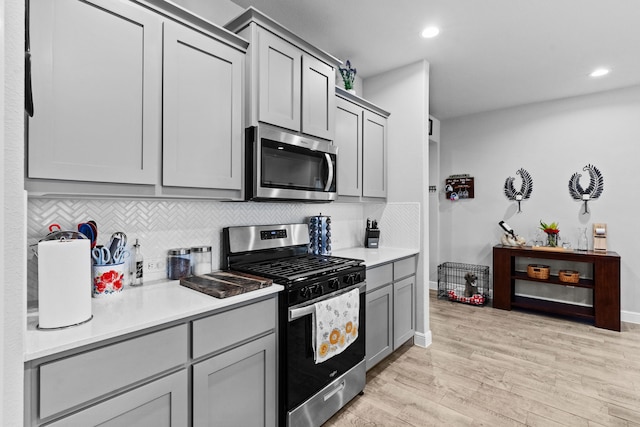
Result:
[{"x": 108, "y": 279}]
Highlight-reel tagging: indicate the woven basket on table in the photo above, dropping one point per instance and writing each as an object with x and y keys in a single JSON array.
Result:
[
  {"x": 538, "y": 271},
  {"x": 569, "y": 276}
]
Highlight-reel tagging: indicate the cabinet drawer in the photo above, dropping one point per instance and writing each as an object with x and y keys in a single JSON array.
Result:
[
  {"x": 222, "y": 330},
  {"x": 379, "y": 276},
  {"x": 77, "y": 379},
  {"x": 403, "y": 268}
]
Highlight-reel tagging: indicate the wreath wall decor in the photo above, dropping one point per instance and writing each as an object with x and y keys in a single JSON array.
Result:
[
  {"x": 593, "y": 191},
  {"x": 525, "y": 189}
]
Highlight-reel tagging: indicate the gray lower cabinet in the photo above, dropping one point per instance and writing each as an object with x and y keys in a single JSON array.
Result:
[
  {"x": 163, "y": 402},
  {"x": 379, "y": 342},
  {"x": 390, "y": 308},
  {"x": 236, "y": 387},
  {"x": 228, "y": 359}
]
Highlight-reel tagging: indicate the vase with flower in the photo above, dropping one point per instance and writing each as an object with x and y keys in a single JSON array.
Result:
[
  {"x": 348, "y": 76},
  {"x": 552, "y": 231}
]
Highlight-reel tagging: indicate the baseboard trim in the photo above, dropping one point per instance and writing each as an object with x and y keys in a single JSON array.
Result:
[
  {"x": 630, "y": 317},
  {"x": 433, "y": 285},
  {"x": 422, "y": 340}
]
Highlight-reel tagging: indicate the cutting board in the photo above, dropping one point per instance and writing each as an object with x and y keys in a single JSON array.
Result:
[{"x": 223, "y": 284}]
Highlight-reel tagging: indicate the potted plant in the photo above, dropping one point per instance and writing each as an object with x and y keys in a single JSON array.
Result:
[
  {"x": 348, "y": 76},
  {"x": 552, "y": 231}
]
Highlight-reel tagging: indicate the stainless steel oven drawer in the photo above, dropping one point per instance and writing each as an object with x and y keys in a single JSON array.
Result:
[{"x": 324, "y": 404}]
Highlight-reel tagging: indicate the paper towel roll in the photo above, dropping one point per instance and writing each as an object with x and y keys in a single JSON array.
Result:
[
  {"x": 64, "y": 283},
  {"x": 601, "y": 231}
]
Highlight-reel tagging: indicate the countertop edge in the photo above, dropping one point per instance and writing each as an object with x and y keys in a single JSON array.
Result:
[
  {"x": 376, "y": 257},
  {"x": 137, "y": 309}
]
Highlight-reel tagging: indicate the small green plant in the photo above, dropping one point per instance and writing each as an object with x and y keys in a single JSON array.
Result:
[{"x": 348, "y": 75}]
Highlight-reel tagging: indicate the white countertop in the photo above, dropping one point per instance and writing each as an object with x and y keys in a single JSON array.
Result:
[
  {"x": 132, "y": 310},
  {"x": 373, "y": 257}
]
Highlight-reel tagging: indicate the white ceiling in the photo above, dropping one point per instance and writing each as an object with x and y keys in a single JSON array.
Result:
[{"x": 490, "y": 54}]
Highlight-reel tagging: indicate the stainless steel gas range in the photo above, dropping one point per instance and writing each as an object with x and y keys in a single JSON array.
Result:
[{"x": 310, "y": 392}]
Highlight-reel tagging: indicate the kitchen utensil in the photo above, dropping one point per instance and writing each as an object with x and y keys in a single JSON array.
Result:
[
  {"x": 101, "y": 255},
  {"x": 119, "y": 255},
  {"x": 118, "y": 240},
  {"x": 64, "y": 274},
  {"x": 89, "y": 231}
]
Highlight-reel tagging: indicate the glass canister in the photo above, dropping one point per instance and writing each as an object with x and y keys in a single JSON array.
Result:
[
  {"x": 200, "y": 260},
  {"x": 178, "y": 263}
]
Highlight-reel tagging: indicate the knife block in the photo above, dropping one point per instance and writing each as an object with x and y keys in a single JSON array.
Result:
[{"x": 372, "y": 238}]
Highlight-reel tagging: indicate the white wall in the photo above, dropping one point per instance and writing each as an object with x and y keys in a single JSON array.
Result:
[
  {"x": 551, "y": 140},
  {"x": 405, "y": 93},
  {"x": 12, "y": 221}
]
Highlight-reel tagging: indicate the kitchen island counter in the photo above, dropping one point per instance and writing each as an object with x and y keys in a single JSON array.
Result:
[
  {"x": 135, "y": 309},
  {"x": 378, "y": 256}
]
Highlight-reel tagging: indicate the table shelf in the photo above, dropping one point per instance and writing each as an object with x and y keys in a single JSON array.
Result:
[{"x": 605, "y": 284}]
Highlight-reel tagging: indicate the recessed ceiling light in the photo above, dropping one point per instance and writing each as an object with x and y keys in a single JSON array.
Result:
[
  {"x": 430, "y": 32},
  {"x": 599, "y": 72}
]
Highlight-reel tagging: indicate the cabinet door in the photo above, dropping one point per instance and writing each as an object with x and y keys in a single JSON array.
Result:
[
  {"x": 374, "y": 163},
  {"x": 202, "y": 106},
  {"x": 404, "y": 311},
  {"x": 163, "y": 402},
  {"x": 379, "y": 324},
  {"x": 238, "y": 387},
  {"x": 96, "y": 82},
  {"x": 279, "y": 81},
  {"x": 348, "y": 139},
  {"x": 318, "y": 98}
]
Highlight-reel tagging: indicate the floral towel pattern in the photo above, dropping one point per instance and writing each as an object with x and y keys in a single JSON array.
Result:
[{"x": 336, "y": 325}]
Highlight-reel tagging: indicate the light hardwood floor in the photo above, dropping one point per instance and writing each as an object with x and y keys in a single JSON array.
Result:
[{"x": 504, "y": 368}]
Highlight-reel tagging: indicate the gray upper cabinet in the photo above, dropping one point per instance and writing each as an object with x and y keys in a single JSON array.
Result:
[
  {"x": 96, "y": 78},
  {"x": 361, "y": 138},
  {"x": 318, "y": 98},
  {"x": 290, "y": 82},
  {"x": 374, "y": 162},
  {"x": 349, "y": 141},
  {"x": 123, "y": 88},
  {"x": 279, "y": 81},
  {"x": 202, "y": 106}
]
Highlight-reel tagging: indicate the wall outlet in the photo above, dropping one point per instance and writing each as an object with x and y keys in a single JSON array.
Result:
[{"x": 154, "y": 265}]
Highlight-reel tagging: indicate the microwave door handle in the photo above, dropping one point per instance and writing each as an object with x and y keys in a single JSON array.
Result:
[{"x": 330, "y": 174}]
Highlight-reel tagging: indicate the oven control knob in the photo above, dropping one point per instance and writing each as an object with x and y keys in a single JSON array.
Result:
[
  {"x": 305, "y": 292},
  {"x": 317, "y": 289},
  {"x": 349, "y": 279},
  {"x": 358, "y": 277},
  {"x": 334, "y": 284}
]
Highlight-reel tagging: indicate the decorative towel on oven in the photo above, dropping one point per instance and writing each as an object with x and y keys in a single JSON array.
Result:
[{"x": 336, "y": 324}]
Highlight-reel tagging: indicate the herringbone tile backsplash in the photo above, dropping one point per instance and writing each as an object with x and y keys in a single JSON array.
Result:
[{"x": 161, "y": 225}]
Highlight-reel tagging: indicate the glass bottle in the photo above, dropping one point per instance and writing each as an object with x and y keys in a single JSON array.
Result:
[
  {"x": 139, "y": 265},
  {"x": 582, "y": 239}
]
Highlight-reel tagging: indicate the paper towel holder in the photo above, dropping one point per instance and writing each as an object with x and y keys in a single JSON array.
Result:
[{"x": 600, "y": 237}]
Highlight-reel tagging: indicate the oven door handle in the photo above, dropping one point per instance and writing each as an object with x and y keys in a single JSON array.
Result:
[
  {"x": 305, "y": 310},
  {"x": 330, "y": 172}
]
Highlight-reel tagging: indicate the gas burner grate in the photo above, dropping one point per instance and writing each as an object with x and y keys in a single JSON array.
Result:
[{"x": 298, "y": 267}]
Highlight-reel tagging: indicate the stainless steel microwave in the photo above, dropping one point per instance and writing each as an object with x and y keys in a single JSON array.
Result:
[{"x": 282, "y": 166}]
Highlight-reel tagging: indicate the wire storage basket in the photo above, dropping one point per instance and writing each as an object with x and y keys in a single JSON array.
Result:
[{"x": 465, "y": 283}]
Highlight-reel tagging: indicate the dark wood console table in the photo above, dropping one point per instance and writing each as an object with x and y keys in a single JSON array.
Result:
[{"x": 605, "y": 284}]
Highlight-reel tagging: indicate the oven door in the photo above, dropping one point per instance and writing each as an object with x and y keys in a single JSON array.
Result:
[
  {"x": 288, "y": 166},
  {"x": 304, "y": 377}
]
